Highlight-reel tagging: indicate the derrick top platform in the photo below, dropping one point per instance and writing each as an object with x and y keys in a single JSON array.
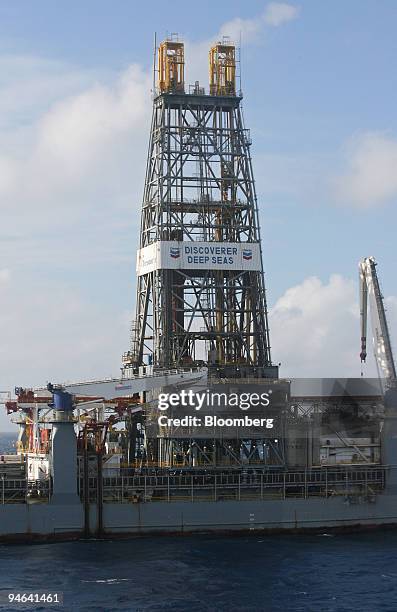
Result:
[{"x": 194, "y": 100}]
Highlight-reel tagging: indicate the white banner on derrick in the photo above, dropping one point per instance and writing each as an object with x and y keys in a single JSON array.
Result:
[{"x": 173, "y": 255}]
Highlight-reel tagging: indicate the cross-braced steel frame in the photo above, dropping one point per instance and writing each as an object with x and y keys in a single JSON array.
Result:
[{"x": 199, "y": 187}]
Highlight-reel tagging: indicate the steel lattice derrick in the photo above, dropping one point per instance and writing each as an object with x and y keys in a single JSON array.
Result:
[{"x": 199, "y": 189}]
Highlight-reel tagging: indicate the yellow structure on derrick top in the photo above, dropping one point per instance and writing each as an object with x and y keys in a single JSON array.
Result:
[
  {"x": 171, "y": 67},
  {"x": 223, "y": 69}
]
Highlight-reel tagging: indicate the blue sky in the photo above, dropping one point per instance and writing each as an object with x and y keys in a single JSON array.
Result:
[{"x": 319, "y": 84}]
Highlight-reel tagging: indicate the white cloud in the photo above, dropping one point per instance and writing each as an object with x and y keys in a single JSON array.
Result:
[
  {"x": 370, "y": 178},
  {"x": 30, "y": 84},
  {"x": 274, "y": 15},
  {"x": 250, "y": 31},
  {"x": 57, "y": 334},
  {"x": 5, "y": 276},
  {"x": 79, "y": 164},
  {"x": 315, "y": 329},
  {"x": 76, "y": 143},
  {"x": 277, "y": 13}
]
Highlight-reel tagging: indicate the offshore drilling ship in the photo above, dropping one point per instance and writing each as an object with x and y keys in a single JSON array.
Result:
[{"x": 129, "y": 455}]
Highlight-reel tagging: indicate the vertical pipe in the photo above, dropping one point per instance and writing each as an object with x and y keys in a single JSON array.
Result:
[
  {"x": 99, "y": 494},
  {"x": 154, "y": 63},
  {"x": 86, "y": 491},
  {"x": 326, "y": 483}
]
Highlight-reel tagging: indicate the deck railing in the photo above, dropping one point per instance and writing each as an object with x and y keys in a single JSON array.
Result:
[
  {"x": 21, "y": 491},
  {"x": 129, "y": 487}
]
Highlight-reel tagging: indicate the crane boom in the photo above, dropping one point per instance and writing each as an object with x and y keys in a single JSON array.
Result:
[{"x": 370, "y": 291}]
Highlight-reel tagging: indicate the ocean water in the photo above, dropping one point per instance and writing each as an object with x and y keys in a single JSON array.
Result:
[
  {"x": 281, "y": 573},
  {"x": 330, "y": 573}
]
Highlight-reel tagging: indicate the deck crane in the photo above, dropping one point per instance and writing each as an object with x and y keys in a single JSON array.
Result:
[
  {"x": 370, "y": 291},
  {"x": 369, "y": 288}
]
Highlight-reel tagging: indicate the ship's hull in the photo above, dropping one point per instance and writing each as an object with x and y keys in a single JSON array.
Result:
[{"x": 52, "y": 522}]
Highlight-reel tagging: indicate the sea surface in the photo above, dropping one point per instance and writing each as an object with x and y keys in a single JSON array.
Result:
[
  {"x": 333, "y": 573},
  {"x": 283, "y": 573},
  {"x": 7, "y": 443}
]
